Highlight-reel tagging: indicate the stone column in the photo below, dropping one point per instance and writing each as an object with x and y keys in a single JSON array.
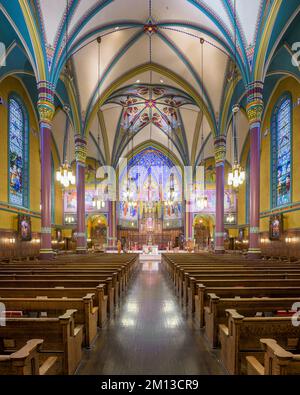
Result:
[
  {"x": 255, "y": 109},
  {"x": 112, "y": 224},
  {"x": 80, "y": 154},
  {"x": 46, "y": 110},
  {"x": 220, "y": 156}
]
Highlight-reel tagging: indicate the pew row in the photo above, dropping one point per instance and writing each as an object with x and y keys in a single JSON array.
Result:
[
  {"x": 277, "y": 361},
  {"x": 62, "y": 338},
  {"x": 26, "y": 361},
  {"x": 241, "y": 338},
  {"x": 86, "y": 312}
]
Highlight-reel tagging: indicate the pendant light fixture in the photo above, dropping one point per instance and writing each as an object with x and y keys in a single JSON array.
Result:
[
  {"x": 237, "y": 175},
  {"x": 64, "y": 174},
  {"x": 201, "y": 200},
  {"x": 99, "y": 199}
]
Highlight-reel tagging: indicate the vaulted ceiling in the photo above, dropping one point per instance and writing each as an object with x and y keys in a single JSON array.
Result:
[{"x": 100, "y": 76}]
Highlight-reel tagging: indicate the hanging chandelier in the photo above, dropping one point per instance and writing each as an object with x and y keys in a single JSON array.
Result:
[
  {"x": 171, "y": 194},
  {"x": 230, "y": 218},
  {"x": 237, "y": 175},
  {"x": 65, "y": 176},
  {"x": 98, "y": 202},
  {"x": 201, "y": 200}
]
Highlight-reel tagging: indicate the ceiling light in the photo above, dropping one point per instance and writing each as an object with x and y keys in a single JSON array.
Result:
[
  {"x": 138, "y": 81},
  {"x": 161, "y": 81}
]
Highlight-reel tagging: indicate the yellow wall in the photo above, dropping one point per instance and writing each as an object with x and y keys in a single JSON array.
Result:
[{"x": 8, "y": 219}]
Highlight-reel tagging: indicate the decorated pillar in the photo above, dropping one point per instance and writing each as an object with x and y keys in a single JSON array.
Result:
[
  {"x": 46, "y": 110},
  {"x": 80, "y": 154},
  {"x": 112, "y": 224},
  {"x": 220, "y": 156},
  {"x": 255, "y": 109}
]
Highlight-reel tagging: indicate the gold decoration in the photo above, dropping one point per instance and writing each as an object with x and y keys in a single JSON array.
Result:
[
  {"x": 46, "y": 111},
  {"x": 255, "y": 111}
]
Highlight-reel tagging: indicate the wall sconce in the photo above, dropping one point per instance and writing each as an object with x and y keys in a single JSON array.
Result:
[{"x": 11, "y": 240}]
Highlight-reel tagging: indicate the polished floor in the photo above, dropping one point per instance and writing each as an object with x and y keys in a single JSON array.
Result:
[{"x": 149, "y": 335}]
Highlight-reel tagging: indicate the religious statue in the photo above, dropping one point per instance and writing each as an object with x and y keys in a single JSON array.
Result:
[{"x": 119, "y": 246}]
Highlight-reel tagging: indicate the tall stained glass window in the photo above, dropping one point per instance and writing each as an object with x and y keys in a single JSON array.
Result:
[
  {"x": 18, "y": 153},
  {"x": 281, "y": 152}
]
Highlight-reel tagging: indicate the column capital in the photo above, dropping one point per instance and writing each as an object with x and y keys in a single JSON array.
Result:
[
  {"x": 45, "y": 103},
  {"x": 220, "y": 150},
  {"x": 255, "y": 103},
  {"x": 80, "y": 149}
]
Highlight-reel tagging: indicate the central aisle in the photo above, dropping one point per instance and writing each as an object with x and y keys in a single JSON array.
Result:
[{"x": 149, "y": 335}]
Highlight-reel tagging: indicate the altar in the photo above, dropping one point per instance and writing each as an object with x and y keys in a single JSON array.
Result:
[{"x": 150, "y": 250}]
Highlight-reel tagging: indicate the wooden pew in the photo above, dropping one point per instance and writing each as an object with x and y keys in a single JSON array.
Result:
[
  {"x": 60, "y": 283},
  {"x": 100, "y": 299},
  {"x": 62, "y": 338},
  {"x": 86, "y": 313},
  {"x": 202, "y": 299},
  {"x": 277, "y": 361},
  {"x": 26, "y": 361},
  {"x": 241, "y": 338},
  {"x": 106, "y": 278},
  {"x": 215, "y": 312}
]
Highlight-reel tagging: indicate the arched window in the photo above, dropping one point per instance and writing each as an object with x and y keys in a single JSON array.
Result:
[
  {"x": 281, "y": 152},
  {"x": 18, "y": 153}
]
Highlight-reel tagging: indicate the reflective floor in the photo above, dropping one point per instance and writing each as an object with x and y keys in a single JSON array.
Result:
[{"x": 149, "y": 335}]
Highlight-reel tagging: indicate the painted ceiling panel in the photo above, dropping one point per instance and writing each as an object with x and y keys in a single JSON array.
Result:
[
  {"x": 81, "y": 9},
  {"x": 217, "y": 6},
  {"x": 58, "y": 130},
  {"x": 157, "y": 136},
  {"x": 182, "y": 10},
  {"x": 52, "y": 13},
  {"x": 116, "y": 11},
  {"x": 170, "y": 60},
  {"x": 86, "y": 63},
  {"x": 96, "y": 132},
  {"x": 189, "y": 117},
  {"x": 111, "y": 116},
  {"x": 248, "y": 13},
  {"x": 144, "y": 78},
  {"x": 214, "y": 63},
  {"x": 205, "y": 130}
]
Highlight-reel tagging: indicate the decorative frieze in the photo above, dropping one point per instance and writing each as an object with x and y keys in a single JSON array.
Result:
[
  {"x": 255, "y": 104},
  {"x": 45, "y": 103},
  {"x": 80, "y": 149},
  {"x": 220, "y": 150}
]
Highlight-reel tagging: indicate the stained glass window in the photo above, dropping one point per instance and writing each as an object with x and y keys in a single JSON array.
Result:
[
  {"x": 18, "y": 154},
  {"x": 281, "y": 153}
]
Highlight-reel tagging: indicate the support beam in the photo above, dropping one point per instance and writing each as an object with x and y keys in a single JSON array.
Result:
[
  {"x": 46, "y": 112},
  {"x": 220, "y": 156},
  {"x": 80, "y": 154},
  {"x": 255, "y": 109}
]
